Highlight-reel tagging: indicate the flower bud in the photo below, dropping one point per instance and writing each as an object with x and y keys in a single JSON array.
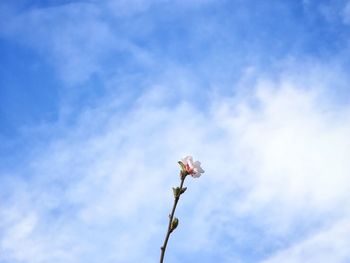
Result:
[
  {"x": 182, "y": 190},
  {"x": 176, "y": 192},
  {"x": 183, "y": 172},
  {"x": 174, "y": 224}
]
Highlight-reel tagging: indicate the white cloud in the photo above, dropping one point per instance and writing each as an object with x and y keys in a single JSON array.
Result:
[
  {"x": 276, "y": 154},
  {"x": 276, "y": 161},
  {"x": 77, "y": 39},
  {"x": 328, "y": 245}
]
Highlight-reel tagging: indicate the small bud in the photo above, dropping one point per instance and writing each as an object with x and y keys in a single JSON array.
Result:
[
  {"x": 182, "y": 165},
  {"x": 183, "y": 172},
  {"x": 183, "y": 190},
  {"x": 176, "y": 192},
  {"x": 174, "y": 224}
]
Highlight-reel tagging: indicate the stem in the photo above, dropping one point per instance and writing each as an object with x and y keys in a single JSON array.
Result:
[{"x": 171, "y": 216}]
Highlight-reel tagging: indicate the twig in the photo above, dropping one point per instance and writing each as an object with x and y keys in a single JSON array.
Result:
[{"x": 172, "y": 224}]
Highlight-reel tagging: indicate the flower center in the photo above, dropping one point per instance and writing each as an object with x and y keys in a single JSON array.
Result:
[{"x": 189, "y": 169}]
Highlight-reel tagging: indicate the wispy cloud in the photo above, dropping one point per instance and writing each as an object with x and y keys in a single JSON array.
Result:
[
  {"x": 271, "y": 131},
  {"x": 276, "y": 164},
  {"x": 328, "y": 245}
]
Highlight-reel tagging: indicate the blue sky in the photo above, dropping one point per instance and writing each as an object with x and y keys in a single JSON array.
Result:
[{"x": 100, "y": 99}]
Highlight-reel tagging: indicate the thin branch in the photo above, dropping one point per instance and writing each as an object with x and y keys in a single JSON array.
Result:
[{"x": 171, "y": 218}]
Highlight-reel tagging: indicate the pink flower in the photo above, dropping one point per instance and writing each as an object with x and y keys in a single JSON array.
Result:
[{"x": 192, "y": 168}]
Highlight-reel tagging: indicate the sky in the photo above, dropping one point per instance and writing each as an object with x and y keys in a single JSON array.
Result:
[{"x": 99, "y": 100}]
